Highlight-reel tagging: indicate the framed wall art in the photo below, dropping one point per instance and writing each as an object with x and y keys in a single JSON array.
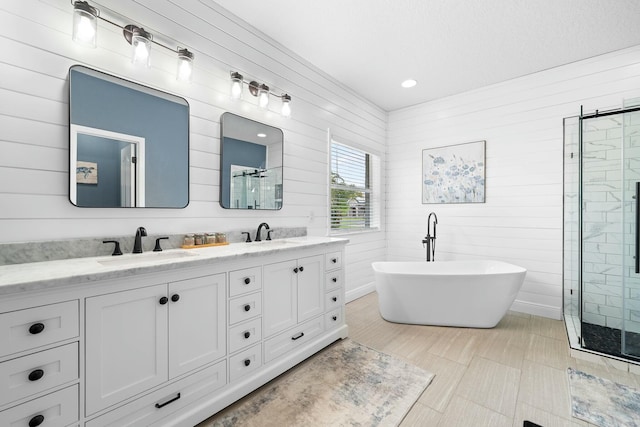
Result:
[{"x": 454, "y": 174}]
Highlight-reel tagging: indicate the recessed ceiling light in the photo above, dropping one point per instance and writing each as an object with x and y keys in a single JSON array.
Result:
[
  {"x": 408, "y": 83},
  {"x": 262, "y": 135}
]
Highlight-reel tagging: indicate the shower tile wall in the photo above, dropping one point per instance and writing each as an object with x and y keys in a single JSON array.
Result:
[{"x": 605, "y": 224}]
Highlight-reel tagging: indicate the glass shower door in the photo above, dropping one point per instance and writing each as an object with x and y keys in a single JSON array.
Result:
[{"x": 630, "y": 292}]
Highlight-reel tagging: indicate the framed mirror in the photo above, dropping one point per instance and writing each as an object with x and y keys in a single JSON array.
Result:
[
  {"x": 128, "y": 143},
  {"x": 251, "y": 159}
]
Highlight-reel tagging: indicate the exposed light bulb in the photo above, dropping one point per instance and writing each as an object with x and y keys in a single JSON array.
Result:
[
  {"x": 263, "y": 96},
  {"x": 141, "y": 44},
  {"x": 185, "y": 65},
  {"x": 286, "y": 106},
  {"x": 236, "y": 85},
  {"x": 85, "y": 24},
  {"x": 409, "y": 83}
]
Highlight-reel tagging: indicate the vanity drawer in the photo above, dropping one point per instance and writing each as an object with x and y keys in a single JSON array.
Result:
[
  {"x": 245, "y": 334},
  {"x": 333, "y": 319},
  {"x": 145, "y": 411},
  {"x": 245, "y": 307},
  {"x": 34, "y": 327},
  {"x": 334, "y": 299},
  {"x": 286, "y": 342},
  {"x": 57, "y": 409},
  {"x": 333, "y": 260},
  {"x": 333, "y": 280},
  {"x": 38, "y": 372},
  {"x": 245, "y": 281},
  {"x": 245, "y": 362}
]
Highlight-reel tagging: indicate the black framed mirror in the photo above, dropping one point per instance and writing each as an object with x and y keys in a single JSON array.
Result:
[
  {"x": 128, "y": 143},
  {"x": 251, "y": 159}
]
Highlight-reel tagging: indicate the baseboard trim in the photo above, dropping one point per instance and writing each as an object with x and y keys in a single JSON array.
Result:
[
  {"x": 537, "y": 309},
  {"x": 354, "y": 294}
]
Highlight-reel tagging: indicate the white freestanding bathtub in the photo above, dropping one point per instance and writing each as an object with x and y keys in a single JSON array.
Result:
[{"x": 474, "y": 294}]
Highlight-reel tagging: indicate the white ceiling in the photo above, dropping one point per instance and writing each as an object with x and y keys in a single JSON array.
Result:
[{"x": 448, "y": 46}]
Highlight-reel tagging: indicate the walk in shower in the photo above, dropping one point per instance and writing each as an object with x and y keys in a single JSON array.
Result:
[{"x": 601, "y": 232}]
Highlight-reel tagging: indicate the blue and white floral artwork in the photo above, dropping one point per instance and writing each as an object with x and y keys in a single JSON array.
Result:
[{"x": 453, "y": 174}]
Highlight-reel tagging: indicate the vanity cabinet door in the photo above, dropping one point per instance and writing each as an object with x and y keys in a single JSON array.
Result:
[
  {"x": 126, "y": 345},
  {"x": 196, "y": 323},
  {"x": 280, "y": 310},
  {"x": 310, "y": 287},
  {"x": 293, "y": 292}
]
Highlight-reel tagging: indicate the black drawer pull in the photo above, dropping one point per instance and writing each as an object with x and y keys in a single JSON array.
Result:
[
  {"x": 160, "y": 405},
  {"x": 300, "y": 335},
  {"x": 36, "y": 374},
  {"x": 295, "y": 270},
  {"x": 36, "y": 421},
  {"x": 247, "y": 280},
  {"x": 247, "y": 362},
  {"x": 334, "y": 299},
  {"x": 175, "y": 297},
  {"x": 163, "y": 300},
  {"x": 335, "y": 318},
  {"x": 36, "y": 328},
  {"x": 335, "y": 279},
  {"x": 247, "y": 334},
  {"x": 301, "y": 268},
  {"x": 334, "y": 260},
  {"x": 247, "y": 307}
]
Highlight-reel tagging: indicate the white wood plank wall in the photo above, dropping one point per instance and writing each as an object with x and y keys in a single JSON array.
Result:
[
  {"x": 521, "y": 120},
  {"x": 35, "y": 38}
]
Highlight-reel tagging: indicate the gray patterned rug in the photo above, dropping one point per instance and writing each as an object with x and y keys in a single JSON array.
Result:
[
  {"x": 347, "y": 384},
  {"x": 603, "y": 402}
]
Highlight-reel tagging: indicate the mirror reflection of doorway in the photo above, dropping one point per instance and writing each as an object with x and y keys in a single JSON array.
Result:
[{"x": 109, "y": 168}]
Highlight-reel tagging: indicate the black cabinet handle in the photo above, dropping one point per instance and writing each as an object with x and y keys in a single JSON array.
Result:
[
  {"x": 247, "y": 334},
  {"x": 36, "y": 374},
  {"x": 160, "y": 405},
  {"x": 247, "y": 280},
  {"x": 36, "y": 328},
  {"x": 247, "y": 307},
  {"x": 247, "y": 362},
  {"x": 335, "y": 318},
  {"x": 334, "y": 260},
  {"x": 175, "y": 297},
  {"x": 295, "y": 270},
  {"x": 36, "y": 421},
  {"x": 335, "y": 279},
  {"x": 301, "y": 268},
  {"x": 300, "y": 335},
  {"x": 334, "y": 299},
  {"x": 163, "y": 300}
]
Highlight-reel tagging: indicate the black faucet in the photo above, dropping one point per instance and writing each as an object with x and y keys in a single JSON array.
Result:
[
  {"x": 266, "y": 227},
  {"x": 137, "y": 245},
  {"x": 430, "y": 240}
]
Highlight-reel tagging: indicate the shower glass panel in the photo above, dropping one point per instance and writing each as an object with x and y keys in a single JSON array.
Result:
[{"x": 601, "y": 279}]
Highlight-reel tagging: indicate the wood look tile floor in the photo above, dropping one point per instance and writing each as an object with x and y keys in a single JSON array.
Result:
[{"x": 484, "y": 377}]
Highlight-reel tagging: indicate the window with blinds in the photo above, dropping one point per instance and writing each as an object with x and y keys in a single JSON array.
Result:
[{"x": 354, "y": 189}]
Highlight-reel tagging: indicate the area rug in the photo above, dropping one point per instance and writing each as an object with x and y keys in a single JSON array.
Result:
[
  {"x": 346, "y": 384},
  {"x": 603, "y": 402}
]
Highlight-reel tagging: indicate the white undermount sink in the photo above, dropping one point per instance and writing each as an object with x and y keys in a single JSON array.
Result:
[{"x": 144, "y": 258}]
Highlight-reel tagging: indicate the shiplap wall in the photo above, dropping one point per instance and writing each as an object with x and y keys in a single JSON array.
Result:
[
  {"x": 521, "y": 120},
  {"x": 35, "y": 38}
]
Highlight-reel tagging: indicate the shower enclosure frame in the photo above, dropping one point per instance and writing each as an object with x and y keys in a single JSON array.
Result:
[{"x": 573, "y": 250}]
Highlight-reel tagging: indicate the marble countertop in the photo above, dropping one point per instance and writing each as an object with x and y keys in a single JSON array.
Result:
[{"x": 49, "y": 274}]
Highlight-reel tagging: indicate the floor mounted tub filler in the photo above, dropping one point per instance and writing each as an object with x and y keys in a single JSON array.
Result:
[{"x": 475, "y": 294}]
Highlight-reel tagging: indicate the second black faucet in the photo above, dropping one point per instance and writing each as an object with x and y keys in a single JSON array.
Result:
[{"x": 260, "y": 227}]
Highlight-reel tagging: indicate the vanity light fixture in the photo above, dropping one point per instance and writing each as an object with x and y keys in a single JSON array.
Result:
[
  {"x": 85, "y": 30},
  {"x": 140, "y": 40},
  {"x": 236, "y": 85},
  {"x": 185, "y": 65},
  {"x": 259, "y": 90},
  {"x": 286, "y": 105},
  {"x": 85, "y": 24}
]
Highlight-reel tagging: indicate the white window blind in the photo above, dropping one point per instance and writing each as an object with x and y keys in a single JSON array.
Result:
[{"x": 355, "y": 189}]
